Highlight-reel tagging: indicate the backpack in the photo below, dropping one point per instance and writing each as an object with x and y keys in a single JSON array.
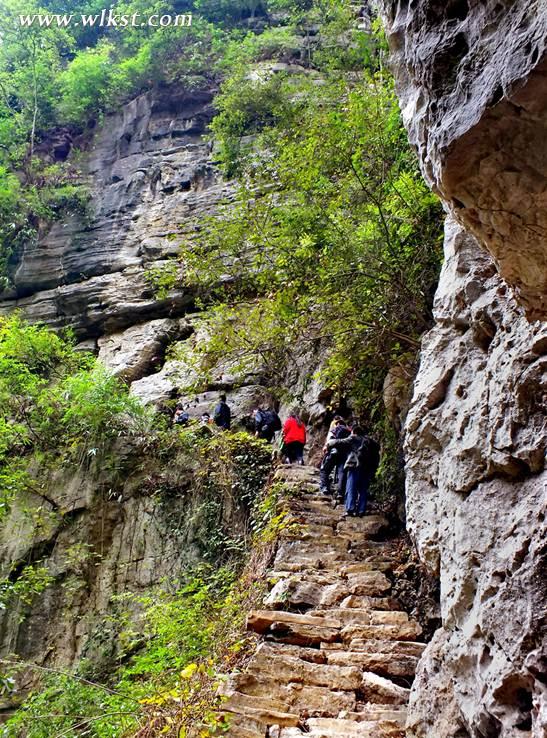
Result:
[
  {"x": 182, "y": 419},
  {"x": 222, "y": 416},
  {"x": 272, "y": 420},
  {"x": 369, "y": 456}
]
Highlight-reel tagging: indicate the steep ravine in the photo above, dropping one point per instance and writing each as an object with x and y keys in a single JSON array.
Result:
[{"x": 471, "y": 78}]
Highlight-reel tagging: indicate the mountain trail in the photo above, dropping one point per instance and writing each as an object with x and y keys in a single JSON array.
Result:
[{"x": 336, "y": 654}]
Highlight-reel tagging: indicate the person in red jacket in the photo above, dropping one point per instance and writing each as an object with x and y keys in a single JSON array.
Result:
[{"x": 294, "y": 439}]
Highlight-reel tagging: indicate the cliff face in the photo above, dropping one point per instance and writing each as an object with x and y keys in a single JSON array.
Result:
[
  {"x": 476, "y": 502},
  {"x": 471, "y": 77},
  {"x": 149, "y": 169},
  {"x": 472, "y": 87},
  {"x": 131, "y": 522}
]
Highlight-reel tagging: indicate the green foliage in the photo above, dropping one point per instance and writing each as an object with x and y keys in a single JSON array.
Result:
[
  {"x": 233, "y": 469},
  {"x": 85, "y": 83},
  {"x": 335, "y": 238},
  {"x": 163, "y": 278},
  {"x": 32, "y": 581},
  {"x": 171, "y": 661},
  {"x": 55, "y": 401},
  {"x": 70, "y": 707}
]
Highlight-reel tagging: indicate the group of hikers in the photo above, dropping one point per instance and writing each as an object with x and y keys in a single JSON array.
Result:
[
  {"x": 354, "y": 458},
  {"x": 350, "y": 456}
]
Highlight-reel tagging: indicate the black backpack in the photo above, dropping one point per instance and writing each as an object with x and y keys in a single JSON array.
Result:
[
  {"x": 272, "y": 420},
  {"x": 222, "y": 416},
  {"x": 182, "y": 419},
  {"x": 369, "y": 456}
]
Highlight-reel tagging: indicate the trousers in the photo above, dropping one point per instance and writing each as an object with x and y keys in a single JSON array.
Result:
[{"x": 357, "y": 486}]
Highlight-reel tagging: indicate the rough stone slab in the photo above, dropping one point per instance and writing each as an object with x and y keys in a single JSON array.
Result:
[
  {"x": 379, "y": 663},
  {"x": 320, "y": 701},
  {"x": 366, "y": 582},
  {"x": 243, "y": 727},
  {"x": 262, "y": 715},
  {"x": 382, "y": 690},
  {"x": 348, "y": 616},
  {"x": 339, "y": 728},
  {"x": 260, "y": 620},
  {"x": 287, "y": 669},
  {"x": 363, "y": 602},
  {"x": 404, "y": 631},
  {"x": 370, "y": 525}
]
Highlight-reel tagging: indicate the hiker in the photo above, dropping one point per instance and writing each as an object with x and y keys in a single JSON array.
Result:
[
  {"x": 294, "y": 439},
  {"x": 181, "y": 417},
  {"x": 334, "y": 458},
  {"x": 360, "y": 467},
  {"x": 205, "y": 419},
  {"x": 267, "y": 423},
  {"x": 223, "y": 415}
]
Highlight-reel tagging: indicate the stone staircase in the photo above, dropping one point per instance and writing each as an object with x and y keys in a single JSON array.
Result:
[{"x": 336, "y": 655}]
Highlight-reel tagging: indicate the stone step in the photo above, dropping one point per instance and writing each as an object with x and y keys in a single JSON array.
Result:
[
  {"x": 370, "y": 525},
  {"x": 398, "y": 632},
  {"x": 261, "y": 715},
  {"x": 287, "y": 669},
  {"x": 295, "y": 699},
  {"x": 340, "y": 728},
  {"x": 379, "y": 689},
  {"x": 301, "y": 630},
  {"x": 324, "y": 589},
  {"x": 385, "y": 664},
  {"x": 363, "y": 602},
  {"x": 328, "y": 670},
  {"x": 353, "y": 615},
  {"x": 243, "y": 727},
  {"x": 378, "y": 712},
  {"x": 403, "y": 648},
  {"x": 305, "y": 699}
]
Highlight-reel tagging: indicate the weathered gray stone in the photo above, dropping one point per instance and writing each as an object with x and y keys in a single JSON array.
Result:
[
  {"x": 476, "y": 489},
  {"x": 138, "y": 350},
  {"x": 471, "y": 79},
  {"x": 149, "y": 169}
]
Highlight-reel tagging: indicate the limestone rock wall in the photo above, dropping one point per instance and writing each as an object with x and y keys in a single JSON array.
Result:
[
  {"x": 471, "y": 79},
  {"x": 476, "y": 501},
  {"x": 149, "y": 170},
  {"x": 131, "y": 523}
]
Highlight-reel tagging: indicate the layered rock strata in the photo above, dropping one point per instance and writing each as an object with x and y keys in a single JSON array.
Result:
[
  {"x": 149, "y": 170},
  {"x": 336, "y": 654}
]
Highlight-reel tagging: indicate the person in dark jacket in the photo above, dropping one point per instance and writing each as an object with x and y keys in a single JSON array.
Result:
[
  {"x": 223, "y": 415},
  {"x": 359, "y": 469},
  {"x": 334, "y": 458},
  {"x": 267, "y": 423}
]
